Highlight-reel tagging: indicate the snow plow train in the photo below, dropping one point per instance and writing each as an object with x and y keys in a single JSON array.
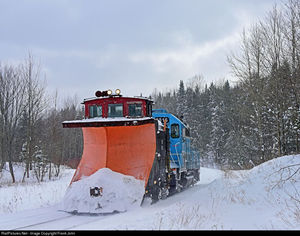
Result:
[{"x": 130, "y": 153}]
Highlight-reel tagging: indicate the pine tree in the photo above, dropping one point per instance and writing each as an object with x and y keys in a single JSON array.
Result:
[
  {"x": 217, "y": 134},
  {"x": 40, "y": 164},
  {"x": 181, "y": 102}
]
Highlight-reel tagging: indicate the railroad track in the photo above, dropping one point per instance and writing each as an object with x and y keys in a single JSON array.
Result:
[{"x": 46, "y": 219}]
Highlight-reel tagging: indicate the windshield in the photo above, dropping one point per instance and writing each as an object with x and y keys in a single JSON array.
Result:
[
  {"x": 135, "y": 110},
  {"x": 115, "y": 110}
]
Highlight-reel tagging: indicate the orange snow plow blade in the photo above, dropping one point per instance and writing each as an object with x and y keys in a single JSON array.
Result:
[{"x": 129, "y": 150}]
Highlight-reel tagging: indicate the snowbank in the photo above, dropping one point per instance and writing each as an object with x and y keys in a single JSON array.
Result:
[
  {"x": 265, "y": 197},
  {"x": 119, "y": 193},
  {"x": 208, "y": 175}
]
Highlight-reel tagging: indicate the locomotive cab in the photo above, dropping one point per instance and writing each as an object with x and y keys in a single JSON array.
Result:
[
  {"x": 113, "y": 107},
  {"x": 108, "y": 105}
]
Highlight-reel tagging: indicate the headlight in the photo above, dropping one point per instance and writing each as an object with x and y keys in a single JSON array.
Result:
[
  {"x": 118, "y": 91},
  {"x": 98, "y": 93}
]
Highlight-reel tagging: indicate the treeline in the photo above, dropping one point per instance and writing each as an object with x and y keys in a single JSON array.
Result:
[
  {"x": 258, "y": 118},
  {"x": 30, "y": 123}
]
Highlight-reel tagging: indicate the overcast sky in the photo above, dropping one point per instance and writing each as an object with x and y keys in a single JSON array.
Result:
[{"x": 134, "y": 45}]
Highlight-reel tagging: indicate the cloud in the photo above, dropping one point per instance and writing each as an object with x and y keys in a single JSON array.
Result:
[
  {"x": 186, "y": 57},
  {"x": 134, "y": 45}
]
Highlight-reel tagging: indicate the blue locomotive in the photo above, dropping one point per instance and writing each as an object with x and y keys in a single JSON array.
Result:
[{"x": 184, "y": 160}]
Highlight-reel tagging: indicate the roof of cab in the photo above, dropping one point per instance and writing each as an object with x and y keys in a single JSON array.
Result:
[{"x": 114, "y": 96}]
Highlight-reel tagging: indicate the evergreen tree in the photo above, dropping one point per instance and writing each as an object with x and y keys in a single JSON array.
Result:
[
  {"x": 217, "y": 135},
  {"x": 181, "y": 102}
]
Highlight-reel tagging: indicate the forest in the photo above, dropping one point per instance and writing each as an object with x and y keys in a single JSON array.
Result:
[
  {"x": 234, "y": 125},
  {"x": 242, "y": 124}
]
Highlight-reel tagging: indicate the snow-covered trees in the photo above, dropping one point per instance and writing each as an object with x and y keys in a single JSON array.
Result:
[
  {"x": 231, "y": 127},
  {"x": 181, "y": 108},
  {"x": 258, "y": 118},
  {"x": 268, "y": 66}
]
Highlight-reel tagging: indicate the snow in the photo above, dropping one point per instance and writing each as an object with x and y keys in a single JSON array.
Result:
[
  {"x": 109, "y": 119},
  {"x": 119, "y": 193},
  {"x": 265, "y": 197},
  {"x": 31, "y": 194}
]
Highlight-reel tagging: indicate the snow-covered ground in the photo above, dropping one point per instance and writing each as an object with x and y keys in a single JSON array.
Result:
[
  {"x": 265, "y": 197},
  {"x": 31, "y": 194}
]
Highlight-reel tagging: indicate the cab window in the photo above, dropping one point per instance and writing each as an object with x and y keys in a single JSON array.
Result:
[
  {"x": 175, "y": 131},
  {"x": 185, "y": 132},
  {"x": 115, "y": 110},
  {"x": 95, "y": 111},
  {"x": 135, "y": 110}
]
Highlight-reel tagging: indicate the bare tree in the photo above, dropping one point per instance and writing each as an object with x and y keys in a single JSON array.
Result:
[
  {"x": 11, "y": 107},
  {"x": 35, "y": 104},
  {"x": 248, "y": 67},
  {"x": 291, "y": 31},
  {"x": 268, "y": 66}
]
